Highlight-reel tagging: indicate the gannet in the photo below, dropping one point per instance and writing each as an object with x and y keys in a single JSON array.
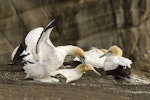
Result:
[
  {"x": 75, "y": 73},
  {"x": 46, "y": 57},
  {"x": 92, "y": 57},
  {"x": 115, "y": 64}
]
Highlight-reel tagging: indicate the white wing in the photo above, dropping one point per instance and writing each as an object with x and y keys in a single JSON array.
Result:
[
  {"x": 31, "y": 41},
  {"x": 125, "y": 62},
  {"x": 65, "y": 72},
  {"x": 44, "y": 47},
  {"x": 70, "y": 74},
  {"x": 47, "y": 59},
  {"x": 113, "y": 62},
  {"x": 32, "y": 37},
  {"x": 44, "y": 37},
  {"x": 46, "y": 51}
]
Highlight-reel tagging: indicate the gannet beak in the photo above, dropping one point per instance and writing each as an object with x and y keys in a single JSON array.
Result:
[
  {"x": 82, "y": 59},
  {"x": 96, "y": 72},
  {"x": 105, "y": 54}
]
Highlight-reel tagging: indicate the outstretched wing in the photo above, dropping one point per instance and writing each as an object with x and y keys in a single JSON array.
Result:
[
  {"x": 32, "y": 38},
  {"x": 28, "y": 43},
  {"x": 44, "y": 37},
  {"x": 31, "y": 41}
]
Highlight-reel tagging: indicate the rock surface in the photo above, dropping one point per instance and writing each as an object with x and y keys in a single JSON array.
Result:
[{"x": 13, "y": 86}]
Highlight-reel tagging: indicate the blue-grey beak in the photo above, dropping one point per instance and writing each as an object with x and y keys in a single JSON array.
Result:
[
  {"x": 82, "y": 59},
  {"x": 96, "y": 72},
  {"x": 105, "y": 54}
]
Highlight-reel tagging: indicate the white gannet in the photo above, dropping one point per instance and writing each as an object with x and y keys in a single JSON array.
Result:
[
  {"x": 75, "y": 73},
  {"x": 92, "y": 57},
  {"x": 115, "y": 64},
  {"x": 47, "y": 58},
  {"x": 54, "y": 61}
]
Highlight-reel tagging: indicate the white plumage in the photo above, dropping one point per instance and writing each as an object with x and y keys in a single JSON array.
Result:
[
  {"x": 75, "y": 73},
  {"x": 45, "y": 54},
  {"x": 45, "y": 57},
  {"x": 112, "y": 62},
  {"x": 115, "y": 64},
  {"x": 92, "y": 57},
  {"x": 31, "y": 41}
]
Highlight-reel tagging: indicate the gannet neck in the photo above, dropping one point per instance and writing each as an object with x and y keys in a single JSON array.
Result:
[
  {"x": 88, "y": 67},
  {"x": 72, "y": 50},
  {"x": 80, "y": 68},
  {"x": 78, "y": 51}
]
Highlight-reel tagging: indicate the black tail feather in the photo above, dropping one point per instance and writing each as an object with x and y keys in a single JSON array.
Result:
[{"x": 120, "y": 72}]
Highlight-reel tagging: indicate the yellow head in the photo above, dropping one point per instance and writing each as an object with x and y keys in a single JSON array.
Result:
[
  {"x": 113, "y": 50},
  {"x": 80, "y": 54},
  {"x": 78, "y": 51},
  {"x": 86, "y": 68}
]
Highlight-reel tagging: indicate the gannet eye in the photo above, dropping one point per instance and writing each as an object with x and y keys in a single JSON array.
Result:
[
  {"x": 82, "y": 57},
  {"x": 109, "y": 51}
]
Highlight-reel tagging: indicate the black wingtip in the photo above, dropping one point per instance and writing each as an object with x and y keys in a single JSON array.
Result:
[
  {"x": 52, "y": 23},
  {"x": 17, "y": 58}
]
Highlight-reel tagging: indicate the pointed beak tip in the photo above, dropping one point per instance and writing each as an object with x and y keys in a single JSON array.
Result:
[
  {"x": 84, "y": 64},
  {"x": 100, "y": 56},
  {"x": 83, "y": 61},
  {"x": 97, "y": 72}
]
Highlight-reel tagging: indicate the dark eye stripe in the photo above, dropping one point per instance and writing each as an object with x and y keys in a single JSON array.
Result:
[{"x": 109, "y": 51}]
